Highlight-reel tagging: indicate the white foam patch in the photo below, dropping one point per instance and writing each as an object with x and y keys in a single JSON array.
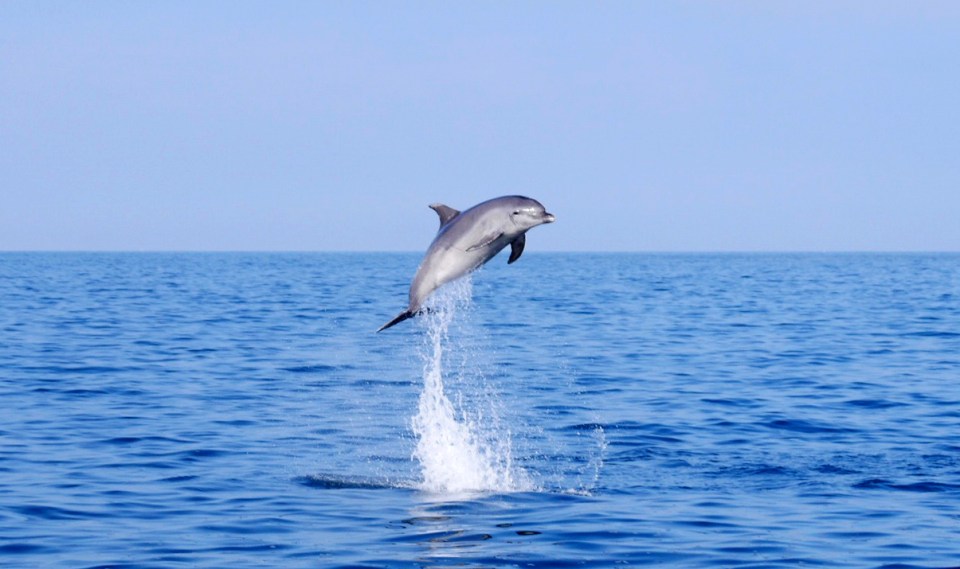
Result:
[{"x": 461, "y": 448}]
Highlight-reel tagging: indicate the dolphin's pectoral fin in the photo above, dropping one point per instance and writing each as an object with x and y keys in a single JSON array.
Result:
[
  {"x": 516, "y": 248},
  {"x": 445, "y": 212},
  {"x": 486, "y": 241}
]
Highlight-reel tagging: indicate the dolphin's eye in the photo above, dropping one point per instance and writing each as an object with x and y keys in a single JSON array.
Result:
[{"x": 516, "y": 212}]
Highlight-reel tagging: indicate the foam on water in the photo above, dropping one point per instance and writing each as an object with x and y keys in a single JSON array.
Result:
[{"x": 461, "y": 447}]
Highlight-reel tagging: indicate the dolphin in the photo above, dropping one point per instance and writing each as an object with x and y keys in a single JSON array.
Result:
[{"x": 466, "y": 240}]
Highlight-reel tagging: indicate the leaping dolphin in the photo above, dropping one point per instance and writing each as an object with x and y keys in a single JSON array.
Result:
[{"x": 466, "y": 240}]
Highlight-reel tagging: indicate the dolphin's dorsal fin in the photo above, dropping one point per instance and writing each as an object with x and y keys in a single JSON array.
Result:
[
  {"x": 516, "y": 248},
  {"x": 445, "y": 212}
]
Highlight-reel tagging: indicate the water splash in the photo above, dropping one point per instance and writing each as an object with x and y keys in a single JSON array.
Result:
[
  {"x": 463, "y": 447},
  {"x": 594, "y": 464}
]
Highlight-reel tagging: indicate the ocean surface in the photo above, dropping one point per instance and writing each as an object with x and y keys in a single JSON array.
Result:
[{"x": 570, "y": 410}]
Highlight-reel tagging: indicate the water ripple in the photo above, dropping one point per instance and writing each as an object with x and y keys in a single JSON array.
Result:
[{"x": 236, "y": 410}]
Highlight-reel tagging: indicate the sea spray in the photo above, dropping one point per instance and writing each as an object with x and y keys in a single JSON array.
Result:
[{"x": 462, "y": 447}]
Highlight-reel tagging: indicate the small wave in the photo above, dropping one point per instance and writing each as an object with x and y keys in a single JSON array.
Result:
[
  {"x": 803, "y": 426},
  {"x": 316, "y": 368},
  {"x": 131, "y": 440},
  {"x": 874, "y": 403},
  {"x": 932, "y": 334},
  {"x": 763, "y": 470},
  {"x": 834, "y": 469},
  {"x": 925, "y": 486},
  {"x": 55, "y": 513},
  {"x": 22, "y": 548},
  {"x": 338, "y": 482},
  {"x": 71, "y": 369}
]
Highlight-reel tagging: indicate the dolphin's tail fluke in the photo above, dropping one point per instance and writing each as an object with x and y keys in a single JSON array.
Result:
[{"x": 400, "y": 318}]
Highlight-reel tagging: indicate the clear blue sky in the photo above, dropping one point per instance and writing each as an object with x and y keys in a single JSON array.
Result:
[{"x": 646, "y": 126}]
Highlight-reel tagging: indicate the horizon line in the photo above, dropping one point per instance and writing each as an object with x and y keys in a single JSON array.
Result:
[{"x": 563, "y": 252}]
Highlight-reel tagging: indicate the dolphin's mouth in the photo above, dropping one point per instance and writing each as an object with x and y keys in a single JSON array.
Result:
[{"x": 549, "y": 217}]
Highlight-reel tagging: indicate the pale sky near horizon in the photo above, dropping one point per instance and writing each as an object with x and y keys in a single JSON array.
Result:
[{"x": 644, "y": 126}]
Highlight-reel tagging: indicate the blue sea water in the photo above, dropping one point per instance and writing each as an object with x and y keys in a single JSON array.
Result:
[{"x": 570, "y": 410}]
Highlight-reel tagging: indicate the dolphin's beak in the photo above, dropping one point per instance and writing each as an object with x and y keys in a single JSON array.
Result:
[{"x": 549, "y": 217}]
